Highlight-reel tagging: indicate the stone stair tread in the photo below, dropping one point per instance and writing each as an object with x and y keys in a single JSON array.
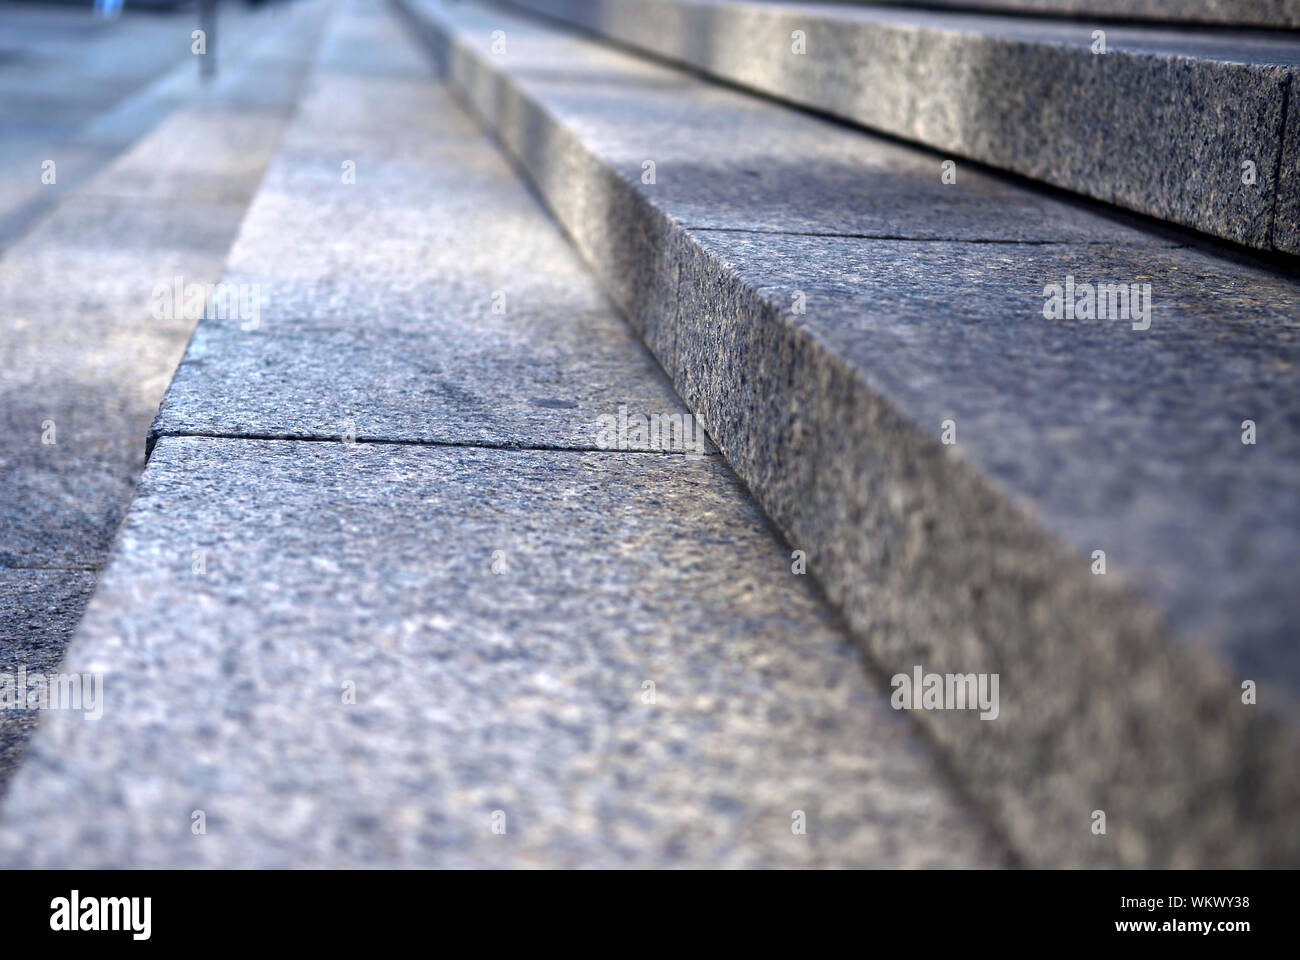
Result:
[{"x": 1160, "y": 123}]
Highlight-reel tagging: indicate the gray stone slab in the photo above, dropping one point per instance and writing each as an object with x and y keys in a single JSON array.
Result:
[
  {"x": 129, "y": 119},
  {"x": 64, "y": 499},
  {"x": 520, "y": 692},
  {"x": 380, "y": 298},
  {"x": 1112, "y": 438},
  {"x": 256, "y": 87},
  {"x": 725, "y": 159},
  {"x": 539, "y": 377},
  {"x": 50, "y": 90},
  {"x": 418, "y": 241},
  {"x": 794, "y": 173},
  {"x": 126, "y": 83},
  {"x": 1123, "y": 689},
  {"x": 1161, "y": 123},
  {"x": 386, "y": 118},
  {"x": 90, "y": 223},
  {"x": 39, "y": 609},
  {"x": 244, "y": 63}
]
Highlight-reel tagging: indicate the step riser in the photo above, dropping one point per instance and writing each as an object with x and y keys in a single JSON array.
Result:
[{"x": 1175, "y": 131}]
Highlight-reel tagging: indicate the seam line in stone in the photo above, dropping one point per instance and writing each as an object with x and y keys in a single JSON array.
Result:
[
  {"x": 885, "y": 236},
  {"x": 379, "y": 441}
]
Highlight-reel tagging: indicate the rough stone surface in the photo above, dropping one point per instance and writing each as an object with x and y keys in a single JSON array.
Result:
[
  {"x": 84, "y": 352},
  {"x": 544, "y": 378},
  {"x": 520, "y": 692},
  {"x": 1161, "y": 123},
  {"x": 84, "y": 359},
  {"x": 436, "y": 233},
  {"x": 1071, "y": 436},
  {"x": 1286, "y": 221},
  {"x": 1062, "y": 415},
  {"x": 39, "y": 610},
  {"x": 82, "y": 347}
]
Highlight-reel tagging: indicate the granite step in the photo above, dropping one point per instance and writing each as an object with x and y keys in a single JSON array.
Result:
[
  {"x": 387, "y": 597},
  {"x": 84, "y": 355},
  {"x": 1089, "y": 508},
  {"x": 1195, "y": 127}
]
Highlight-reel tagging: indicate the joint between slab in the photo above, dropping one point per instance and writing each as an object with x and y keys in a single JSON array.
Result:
[
  {"x": 904, "y": 239},
  {"x": 402, "y": 442}
]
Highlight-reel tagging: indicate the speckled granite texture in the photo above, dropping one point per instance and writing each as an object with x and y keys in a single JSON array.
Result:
[
  {"x": 1161, "y": 123},
  {"x": 560, "y": 657},
  {"x": 447, "y": 309},
  {"x": 1286, "y": 221},
  {"x": 39, "y": 609},
  {"x": 83, "y": 359},
  {"x": 81, "y": 346},
  {"x": 523, "y": 691},
  {"x": 1122, "y": 691}
]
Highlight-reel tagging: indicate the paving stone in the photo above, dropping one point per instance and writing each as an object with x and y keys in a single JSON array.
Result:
[
  {"x": 540, "y": 379},
  {"x": 1071, "y": 436},
  {"x": 50, "y": 91},
  {"x": 796, "y": 173},
  {"x": 84, "y": 354},
  {"x": 387, "y": 118},
  {"x": 457, "y": 261},
  {"x": 380, "y": 298},
  {"x": 141, "y": 73},
  {"x": 1161, "y": 123},
  {"x": 68, "y": 466},
  {"x": 261, "y": 87},
  {"x": 102, "y": 225},
  {"x": 520, "y": 692}
]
